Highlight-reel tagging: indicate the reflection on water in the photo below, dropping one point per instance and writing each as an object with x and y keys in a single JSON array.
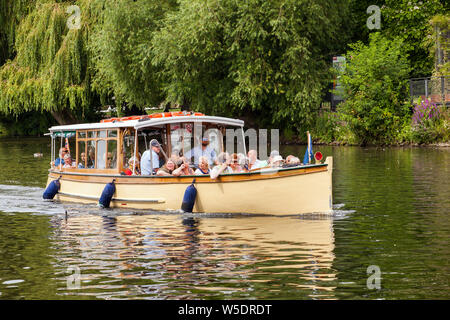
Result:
[
  {"x": 391, "y": 210},
  {"x": 175, "y": 256}
]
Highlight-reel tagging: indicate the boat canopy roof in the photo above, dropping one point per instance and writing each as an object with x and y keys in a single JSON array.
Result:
[{"x": 148, "y": 122}]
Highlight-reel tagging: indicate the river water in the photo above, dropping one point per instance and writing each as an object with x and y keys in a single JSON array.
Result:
[{"x": 391, "y": 218}]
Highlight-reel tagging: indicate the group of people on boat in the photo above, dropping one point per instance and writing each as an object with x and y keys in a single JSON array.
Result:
[
  {"x": 65, "y": 160},
  {"x": 206, "y": 160},
  {"x": 152, "y": 161}
]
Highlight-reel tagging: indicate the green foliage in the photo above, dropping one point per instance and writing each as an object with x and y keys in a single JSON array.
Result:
[
  {"x": 121, "y": 51},
  {"x": 324, "y": 127},
  {"x": 375, "y": 88},
  {"x": 441, "y": 30},
  {"x": 409, "y": 21},
  {"x": 26, "y": 124},
  {"x": 51, "y": 69},
  {"x": 11, "y": 13},
  {"x": 231, "y": 57}
]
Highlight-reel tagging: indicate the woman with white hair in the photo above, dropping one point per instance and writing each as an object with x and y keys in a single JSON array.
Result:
[{"x": 203, "y": 166}]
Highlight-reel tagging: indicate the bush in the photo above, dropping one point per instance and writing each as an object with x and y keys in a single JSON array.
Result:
[
  {"x": 375, "y": 83},
  {"x": 428, "y": 124},
  {"x": 324, "y": 127}
]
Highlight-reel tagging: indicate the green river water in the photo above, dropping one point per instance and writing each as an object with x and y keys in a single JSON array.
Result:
[{"x": 392, "y": 213}]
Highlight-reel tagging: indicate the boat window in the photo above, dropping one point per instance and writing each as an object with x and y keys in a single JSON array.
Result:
[
  {"x": 128, "y": 146},
  {"x": 102, "y": 134},
  {"x": 81, "y": 156},
  {"x": 100, "y": 148},
  {"x": 112, "y": 154},
  {"x": 101, "y": 154},
  {"x": 112, "y": 133},
  {"x": 90, "y": 154}
]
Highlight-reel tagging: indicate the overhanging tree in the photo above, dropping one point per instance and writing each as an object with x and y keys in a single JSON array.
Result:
[
  {"x": 51, "y": 71},
  {"x": 265, "y": 58}
]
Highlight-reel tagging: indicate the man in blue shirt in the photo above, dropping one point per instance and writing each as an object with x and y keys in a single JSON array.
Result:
[
  {"x": 202, "y": 151},
  {"x": 60, "y": 160},
  {"x": 148, "y": 163}
]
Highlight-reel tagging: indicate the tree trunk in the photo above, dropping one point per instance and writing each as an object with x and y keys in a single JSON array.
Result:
[{"x": 64, "y": 117}]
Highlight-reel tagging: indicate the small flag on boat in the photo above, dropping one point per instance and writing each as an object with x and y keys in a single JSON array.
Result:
[{"x": 309, "y": 151}]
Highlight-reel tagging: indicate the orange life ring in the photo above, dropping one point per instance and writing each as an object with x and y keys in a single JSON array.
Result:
[
  {"x": 110, "y": 120},
  {"x": 154, "y": 115}
]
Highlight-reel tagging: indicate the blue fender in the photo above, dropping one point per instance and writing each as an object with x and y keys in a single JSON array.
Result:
[
  {"x": 107, "y": 194},
  {"x": 189, "y": 198},
  {"x": 52, "y": 190}
]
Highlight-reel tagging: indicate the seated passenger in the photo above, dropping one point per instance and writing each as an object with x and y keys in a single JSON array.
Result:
[
  {"x": 91, "y": 159},
  {"x": 291, "y": 161},
  {"x": 111, "y": 160},
  {"x": 68, "y": 161},
  {"x": 169, "y": 169},
  {"x": 202, "y": 151},
  {"x": 234, "y": 165},
  {"x": 224, "y": 161},
  {"x": 276, "y": 162},
  {"x": 82, "y": 160},
  {"x": 203, "y": 166},
  {"x": 243, "y": 162},
  {"x": 273, "y": 154},
  {"x": 60, "y": 160},
  {"x": 183, "y": 165},
  {"x": 254, "y": 162},
  {"x": 129, "y": 170}
]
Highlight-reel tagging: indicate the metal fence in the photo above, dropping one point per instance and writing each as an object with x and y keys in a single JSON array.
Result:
[{"x": 435, "y": 89}]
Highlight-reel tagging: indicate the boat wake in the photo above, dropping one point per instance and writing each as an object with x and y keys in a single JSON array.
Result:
[
  {"x": 21, "y": 199},
  {"x": 339, "y": 213}
]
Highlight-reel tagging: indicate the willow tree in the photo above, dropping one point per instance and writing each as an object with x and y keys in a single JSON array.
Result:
[
  {"x": 51, "y": 70},
  {"x": 121, "y": 46},
  {"x": 11, "y": 13},
  {"x": 269, "y": 59}
]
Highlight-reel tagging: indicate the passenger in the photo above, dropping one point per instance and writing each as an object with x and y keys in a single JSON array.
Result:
[
  {"x": 277, "y": 162},
  {"x": 60, "y": 160},
  {"x": 91, "y": 159},
  {"x": 204, "y": 151},
  {"x": 243, "y": 162},
  {"x": 234, "y": 165},
  {"x": 129, "y": 171},
  {"x": 111, "y": 160},
  {"x": 254, "y": 162},
  {"x": 169, "y": 169},
  {"x": 224, "y": 161},
  {"x": 68, "y": 161},
  {"x": 82, "y": 160},
  {"x": 273, "y": 154},
  {"x": 203, "y": 166},
  {"x": 147, "y": 163},
  {"x": 183, "y": 164},
  {"x": 292, "y": 161}
]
